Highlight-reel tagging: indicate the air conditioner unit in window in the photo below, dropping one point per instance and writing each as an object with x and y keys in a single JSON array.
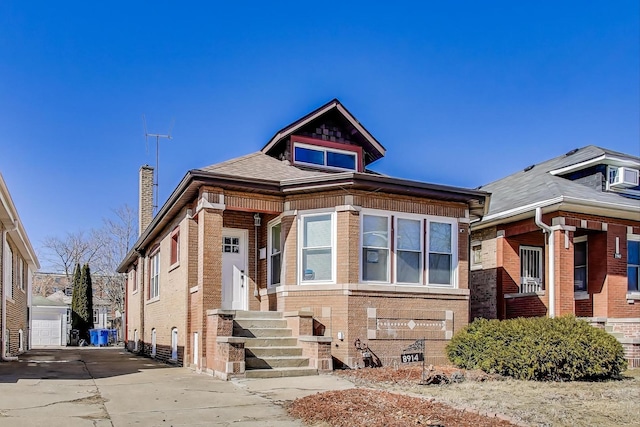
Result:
[{"x": 623, "y": 177}]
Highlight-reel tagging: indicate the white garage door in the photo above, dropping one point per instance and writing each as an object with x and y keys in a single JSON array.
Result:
[{"x": 45, "y": 332}]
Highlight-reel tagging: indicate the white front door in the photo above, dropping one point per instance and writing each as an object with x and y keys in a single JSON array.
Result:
[{"x": 235, "y": 282}]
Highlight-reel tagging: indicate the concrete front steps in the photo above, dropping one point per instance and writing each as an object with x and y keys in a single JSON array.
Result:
[{"x": 270, "y": 349}]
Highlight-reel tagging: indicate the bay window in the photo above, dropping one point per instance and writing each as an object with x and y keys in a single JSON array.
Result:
[
  {"x": 440, "y": 253},
  {"x": 416, "y": 250},
  {"x": 317, "y": 248},
  {"x": 409, "y": 250},
  {"x": 375, "y": 248}
]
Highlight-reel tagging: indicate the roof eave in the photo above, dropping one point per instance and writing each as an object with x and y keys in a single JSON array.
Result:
[
  {"x": 177, "y": 199},
  {"x": 572, "y": 204}
]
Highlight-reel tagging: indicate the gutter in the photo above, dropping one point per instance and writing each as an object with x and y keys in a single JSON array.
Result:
[
  {"x": 552, "y": 265},
  {"x": 562, "y": 202}
]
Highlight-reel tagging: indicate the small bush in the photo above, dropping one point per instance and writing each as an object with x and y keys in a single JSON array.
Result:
[{"x": 538, "y": 348}]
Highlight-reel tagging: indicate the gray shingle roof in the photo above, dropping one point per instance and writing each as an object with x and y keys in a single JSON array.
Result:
[
  {"x": 261, "y": 166},
  {"x": 537, "y": 184}
]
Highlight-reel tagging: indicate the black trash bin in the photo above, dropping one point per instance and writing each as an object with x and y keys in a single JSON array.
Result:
[{"x": 74, "y": 337}]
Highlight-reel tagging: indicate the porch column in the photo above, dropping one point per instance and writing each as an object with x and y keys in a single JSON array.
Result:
[
  {"x": 563, "y": 266},
  {"x": 209, "y": 293}
]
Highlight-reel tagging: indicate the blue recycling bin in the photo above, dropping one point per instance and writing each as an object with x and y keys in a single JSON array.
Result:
[
  {"x": 103, "y": 337},
  {"x": 113, "y": 336},
  {"x": 93, "y": 336}
]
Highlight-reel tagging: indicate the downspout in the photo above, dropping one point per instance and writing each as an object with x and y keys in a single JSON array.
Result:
[
  {"x": 4, "y": 302},
  {"x": 552, "y": 276}
]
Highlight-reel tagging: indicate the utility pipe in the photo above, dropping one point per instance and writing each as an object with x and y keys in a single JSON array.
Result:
[
  {"x": 4, "y": 300},
  {"x": 552, "y": 276}
]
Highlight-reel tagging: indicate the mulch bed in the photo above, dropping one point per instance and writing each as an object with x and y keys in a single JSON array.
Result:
[{"x": 363, "y": 406}]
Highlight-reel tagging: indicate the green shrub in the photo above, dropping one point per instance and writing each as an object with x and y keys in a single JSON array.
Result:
[{"x": 538, "y": 348}]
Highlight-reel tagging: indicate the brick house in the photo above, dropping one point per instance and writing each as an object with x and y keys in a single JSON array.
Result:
[
  {"x": 17, "y": 263},
  {"x": 303, "y": 230},
  {"x": 562, "y": 237}
]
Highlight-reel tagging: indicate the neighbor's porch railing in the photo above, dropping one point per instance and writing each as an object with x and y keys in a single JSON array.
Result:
[{"x": 530, "y": 286}]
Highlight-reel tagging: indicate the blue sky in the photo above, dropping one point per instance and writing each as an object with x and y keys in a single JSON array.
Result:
[{"x": 459, "y": 92}]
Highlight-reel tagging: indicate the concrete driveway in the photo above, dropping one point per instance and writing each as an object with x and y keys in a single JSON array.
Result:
[{"x": 111, "y": 387}]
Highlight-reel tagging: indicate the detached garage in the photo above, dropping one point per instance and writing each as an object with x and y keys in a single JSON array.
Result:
[{"x": 48, "y": 323}]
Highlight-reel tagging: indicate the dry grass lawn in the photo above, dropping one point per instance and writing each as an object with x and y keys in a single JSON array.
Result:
[{"x": 607, "y": 403}]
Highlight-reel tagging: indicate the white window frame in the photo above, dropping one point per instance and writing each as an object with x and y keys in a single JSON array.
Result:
[
  {"x": 174, "y": 343},
  {"x": 271, "y": 253},
  {"x": 8, "y": 271},
  {"x": 582, "y": 239},
  {"x": 300, "y": 226},
  {"x": 387, "y": 215},
  {"x": 632, "y": 238},
  {"x": 20, "y": 273},
  {"x": 422, "y": 247},
  {"x": 175, "y": 247},
  {"x": 154, "y": 340},
  {"x": 425, "y": 220},
  {"x": 453, "y": 222},
  {"x": 96, "y": 316},
  {"x": 525, "y": 288},
  {"x": 473, "y": 264},
  {"x": 324, "y": 150},
  {"x": 154, "y": 275}
]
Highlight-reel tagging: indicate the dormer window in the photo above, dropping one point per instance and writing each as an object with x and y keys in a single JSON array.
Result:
[{"x": 325, "y": 154}]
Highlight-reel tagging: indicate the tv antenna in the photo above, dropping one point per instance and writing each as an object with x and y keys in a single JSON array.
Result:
[{"x": 157, "y": 171}]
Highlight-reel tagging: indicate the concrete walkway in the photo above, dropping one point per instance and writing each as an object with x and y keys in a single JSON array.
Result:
[{"x": 111, "y": 387}]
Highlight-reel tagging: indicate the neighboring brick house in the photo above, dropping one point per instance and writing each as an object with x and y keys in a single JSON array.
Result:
[
  {"x": 17, "y": 263},
  {"x": 588, "y": 200},
  {"x": 302, "y": 226}
]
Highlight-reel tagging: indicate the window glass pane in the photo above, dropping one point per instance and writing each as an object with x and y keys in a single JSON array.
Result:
[
  {"x": 408, "y": 234},
  {"x": 633, "y": 252},
  {"x": 307, "y": 155},
  {"x": 580, "y": 253},
  {"x": 374, "y": 264},
  {"x": 409, "y": 267},
  {"x": 580, "y": 279},
  {"x": 476, "y": 252},
  {"x": 374, "y": 231},
  {"x": 317, "y": 231},
  {"x": 316, "y": 264},
  {"x": 341, "y": 160},
  {"x": 275, "y": 269},
  {"x": 632, "y": 277},
  {"x": 439, "y": 237},
  {"x": 440, "y": 269},
  {"x": 275, "y": 238}
]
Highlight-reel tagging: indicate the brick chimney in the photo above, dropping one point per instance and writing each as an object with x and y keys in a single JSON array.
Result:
[{"x": 145, "y": 204}]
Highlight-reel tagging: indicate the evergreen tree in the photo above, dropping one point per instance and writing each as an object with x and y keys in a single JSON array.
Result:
[
  {"x": 76, "y": 320},
  {"x": 88, "y": 286},
  {"x": 82, "y": 302}
]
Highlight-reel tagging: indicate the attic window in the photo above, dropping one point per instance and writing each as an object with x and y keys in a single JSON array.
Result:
[{"x": 325, "y": 154}]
